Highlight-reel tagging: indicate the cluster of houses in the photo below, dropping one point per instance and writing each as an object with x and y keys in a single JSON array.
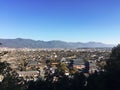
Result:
[
  {"x": 34, "y": 60},
  {"x": 79, "y": 64}
]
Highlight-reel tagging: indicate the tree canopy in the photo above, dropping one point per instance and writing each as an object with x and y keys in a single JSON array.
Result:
[{"x": 11, "y": 80}]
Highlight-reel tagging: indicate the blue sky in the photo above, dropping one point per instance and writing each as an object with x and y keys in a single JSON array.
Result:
[{"x": 66, "y": 20}]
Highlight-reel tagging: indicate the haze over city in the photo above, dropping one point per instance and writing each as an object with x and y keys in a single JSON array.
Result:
[{"x": 66, "y": 20}]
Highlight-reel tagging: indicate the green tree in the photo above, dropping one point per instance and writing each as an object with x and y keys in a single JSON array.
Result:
[
  {"x": 110, "y": 78},
  {"x": 62, "y": 68},
  {"x": 11, "y": 80},
  {"x": 113, "y": 64},
  {"x": 113, "y": 69}
]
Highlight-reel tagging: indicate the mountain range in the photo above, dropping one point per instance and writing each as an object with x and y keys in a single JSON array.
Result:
[{"x": 29, "y": 43}]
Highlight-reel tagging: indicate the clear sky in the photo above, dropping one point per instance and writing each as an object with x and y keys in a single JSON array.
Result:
[{"x": 66, "y": 20}]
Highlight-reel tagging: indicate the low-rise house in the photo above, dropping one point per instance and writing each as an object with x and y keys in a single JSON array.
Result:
[
  {"x": 78, "y": 63},
  {"x": 1, "y": 78},
  {"x": 33, "y": 63},
  {"x": 29, "y": 75},
  {"x": 93, "y": 67}
]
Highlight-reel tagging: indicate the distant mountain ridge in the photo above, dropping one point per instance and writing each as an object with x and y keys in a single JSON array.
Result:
[{"x": 29, "y": 43}]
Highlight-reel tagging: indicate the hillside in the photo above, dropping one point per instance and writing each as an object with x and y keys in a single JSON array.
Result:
[{"x": 29, "y": 43}]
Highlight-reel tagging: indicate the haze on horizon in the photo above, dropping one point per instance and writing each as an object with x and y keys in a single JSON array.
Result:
[{"x": 66, "y": 20}]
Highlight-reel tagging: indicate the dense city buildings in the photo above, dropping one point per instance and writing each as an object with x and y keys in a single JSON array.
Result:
[{"x": 35, "y": 63}]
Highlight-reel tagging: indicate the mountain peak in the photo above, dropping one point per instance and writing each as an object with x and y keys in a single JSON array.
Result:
[{"x": 29, "y": 43}]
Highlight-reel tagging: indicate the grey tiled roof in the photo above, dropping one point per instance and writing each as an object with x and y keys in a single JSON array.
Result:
[{"x": 78, "y": 61}]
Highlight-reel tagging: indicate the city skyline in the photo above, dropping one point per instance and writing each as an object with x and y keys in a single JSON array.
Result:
[{"x": 65, "y": 20}]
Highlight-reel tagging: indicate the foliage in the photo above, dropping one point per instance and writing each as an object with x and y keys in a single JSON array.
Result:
[
  {"x": 11, "y": 81},
  {"x": 62, "y": 67},
  {"x": 110, "y": 79},
  {"x": 113, "y": 64},
  {"x": 113, "y": 69}
]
